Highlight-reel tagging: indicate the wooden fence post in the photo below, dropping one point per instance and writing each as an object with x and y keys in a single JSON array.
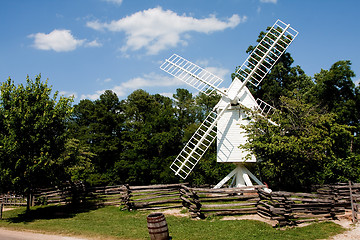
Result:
[
  {"x": 1, "y": 210},
  {"x": 354, "y": 209}
]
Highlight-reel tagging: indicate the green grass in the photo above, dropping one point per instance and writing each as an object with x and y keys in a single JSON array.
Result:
[{"x": 111, "y": 223}]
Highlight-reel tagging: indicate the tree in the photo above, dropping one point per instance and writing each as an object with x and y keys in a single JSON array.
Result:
[
  {"x": 75, "y": 163},
  {"x": 335, "y": 91},
  {"x": 98, "y": 125},
  {"x": 32, "y": 135},
  {"x": 300, "y": 151},
  {"x": 205, "y": 104},
  {"x": 151, "y": 137}
]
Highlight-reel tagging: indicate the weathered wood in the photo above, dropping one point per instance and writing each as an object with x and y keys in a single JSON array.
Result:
[
  {"x": 190, "y": 200},
  {"x": 228, "y": 205},
  {"x": 311, "y": 201},
  {"x": 157, "y": 186},
  {"x": 304, "y": 215},
  {"x": 160, "y": 208},
  {"x": 156, "y": 191},
  {"x": 220, "y": 212},
  {"x": 155, "y": 197},
  {"x": 1, "y": 210},
  {"x": 353, "y": 205},
  {"x": 229, "y": 190},
  {"x": 145, "y": 204},
  {"x": 230, "y": 198}
]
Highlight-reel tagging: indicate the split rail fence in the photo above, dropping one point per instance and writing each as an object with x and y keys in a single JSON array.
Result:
[
  {"x": 287, "y": 208},
  {"x": 12, "y": 200},
  {"x": 205, "y": 202},
  {"x": 151, "y": 197}
]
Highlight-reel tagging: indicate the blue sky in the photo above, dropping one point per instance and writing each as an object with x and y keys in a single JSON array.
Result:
[{"x": 87, "y": 46}]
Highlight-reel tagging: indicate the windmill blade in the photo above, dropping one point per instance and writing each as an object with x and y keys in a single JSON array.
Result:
[
  {"x": 190, "y": 73},
  {"x": 266, "y": 53},
  {"x": 264, "y": 108},
  {"x": 197, "y": 145}
]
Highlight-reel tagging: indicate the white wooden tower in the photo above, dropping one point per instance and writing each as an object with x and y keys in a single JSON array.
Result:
[{"x": 224, "y": 122}]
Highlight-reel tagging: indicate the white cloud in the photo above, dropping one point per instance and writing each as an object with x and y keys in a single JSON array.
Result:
[
  {"x": 145, "y": 81},
  {"x": 68, "y": 94},
  {"x": 58, "y": 40},
  {"x": 92, "y": 96},
  {"x": 357, "y": 82},
  {"x": 117, "y": 2},
  {"x": 269, "y": 1},
  {"x": 157, "y": 29},
  {"x": 153, "y": 80},
  {"x": 94, "y": 43},
  {"x": 169, "y": 95},
  {"x": 220, "y": 72}
]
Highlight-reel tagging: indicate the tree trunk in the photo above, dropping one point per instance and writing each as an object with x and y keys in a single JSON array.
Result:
[{"x": 29, "y": 200}]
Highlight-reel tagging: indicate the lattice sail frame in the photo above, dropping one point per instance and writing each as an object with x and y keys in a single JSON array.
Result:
[
  {"x": 195, "y": 147},
  {"x": 192, "y": 74},
  {"x": 267, "y": 53}
]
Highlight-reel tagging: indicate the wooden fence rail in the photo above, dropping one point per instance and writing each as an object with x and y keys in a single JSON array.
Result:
[
  {"x": 204, "y": 202},
  {"x": 153, "y": 197},
  {"x": 288, "y": 208},
  {"x": 12, "y": 200},
  {"x": 129, "y": 197}
]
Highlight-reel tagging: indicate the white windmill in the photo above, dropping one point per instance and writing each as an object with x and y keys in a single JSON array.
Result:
[{"x": 224, "y": 121}]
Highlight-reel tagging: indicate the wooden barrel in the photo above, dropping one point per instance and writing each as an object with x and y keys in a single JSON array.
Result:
[{"x": 157, "y": 226}]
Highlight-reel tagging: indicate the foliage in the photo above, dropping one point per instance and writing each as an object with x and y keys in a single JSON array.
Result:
[
  {"x": 75, "y": 161},
  {"x": 335, "y": 91},
  {"x": 301, "y": 149},
  {"x": 32, "y": 134},
  {"x": 98, "y": 125}
]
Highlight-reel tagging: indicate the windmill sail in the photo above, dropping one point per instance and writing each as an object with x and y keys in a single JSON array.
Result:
[
  {"x": 264, "y": 108},
  {"x": 192, "y": 74},
  {"x": 196, "y": 146},
  {"x": 266, "y": 53}
]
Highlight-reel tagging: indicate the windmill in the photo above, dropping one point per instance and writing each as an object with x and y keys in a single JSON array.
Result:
[{"x": 223, "y": 122}]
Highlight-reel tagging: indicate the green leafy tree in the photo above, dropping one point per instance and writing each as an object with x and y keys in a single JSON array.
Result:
[
  {"x": 75, "y": 163},
  {"x": 335, "y": 91},
  {"x": 151, "y": 137},
  {"x": 299, "y": 151},
  {"x": 98, "y": 126},
  {"x": 355, "y": 146},
  {"x": 205, "y": 104},
  {"x": 33, "y": 130}
]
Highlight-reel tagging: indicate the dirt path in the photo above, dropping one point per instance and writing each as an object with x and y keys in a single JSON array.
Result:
[
  {"x": 353, "y": 232},
  {"x": 6, "y": 234}
]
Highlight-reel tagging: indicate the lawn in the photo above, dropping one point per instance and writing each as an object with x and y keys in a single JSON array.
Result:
[{"x": 111, "y": 223}]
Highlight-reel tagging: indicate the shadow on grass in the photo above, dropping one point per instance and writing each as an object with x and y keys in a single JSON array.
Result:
[{"x": 50, "y": 212}]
